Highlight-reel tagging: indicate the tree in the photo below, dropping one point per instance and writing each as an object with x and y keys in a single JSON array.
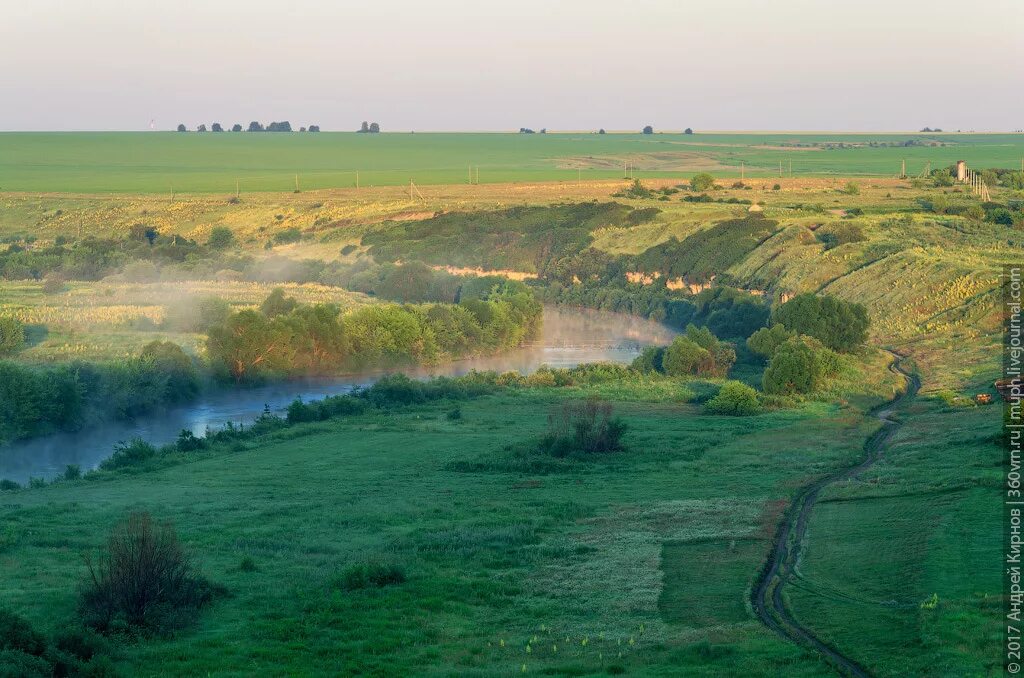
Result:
[
  {"x": 688, "y": 131},
  {"x": 374, "y": 128},
  {"x": 648, "y": 130},
  {"x": 684, "y": 356},
  {"x": 182, "y": 128},
  {"x": 278, "y": 304},
  {"x": 12, "y": 335},
  {"x": 248, "y": 343},
  {"x": 767, "y": 340},
  {"x": 365, "y": 127},
  {"x": 314, "y": 128},
  {"x": 525, "y": 130},
  {"x": 839, "y": 325},
  {"x": 255, "y": 126},
  {"x": 601, "y": 131},
  {"x": 216, "y": 127},
  {"x": 283, "y": 126},
  {"x": 201, "y": 128},
  {"x": 800, "y": 365},
  {"x": 701, "y": 182},
  {"x": 236, "y": 127},
  {"x": 302, "y": 129},
  {"x": 221, "y": 237}
]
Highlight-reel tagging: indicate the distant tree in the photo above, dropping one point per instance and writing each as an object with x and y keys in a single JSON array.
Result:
[
  {"x": 525, "y": 130},
  {"x": 365, "y": 127},
  {"x": 201, "y": 128},
  {"x": 278, "y": 304},
  {"x": 182, "y": 128},
  {"x": 852, "y": 188},
  {"x": 302, "y": 129},
  {"x": 543, "y": 130},
  {"x": 283, "y": 126},
  {"x": 767, "y": 340},
  {"x": 314, "y": 128},
  {"x": 688, "y": 131},
  {"x": 216, "y": 127},
  {"x": 221, "y": 237},
  {"x": 648, "y": 130},
  {"x": 236, "y": 127},
  {"x": 800, "y": 365},
  {"x": 255, "y": 126},
  {"x": 701, "y": 182},
  {"x": 601, "y": 131},
  {"x": 374, "y": 128}
]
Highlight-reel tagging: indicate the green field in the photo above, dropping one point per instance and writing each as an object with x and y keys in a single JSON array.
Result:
[{"x": 157, "y": 162}]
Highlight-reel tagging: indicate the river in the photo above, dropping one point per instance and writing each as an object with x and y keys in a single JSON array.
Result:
[{"x": 569, "y": 337}]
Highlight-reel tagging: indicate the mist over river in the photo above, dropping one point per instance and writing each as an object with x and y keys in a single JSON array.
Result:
[{"x": 570, "y": 337}]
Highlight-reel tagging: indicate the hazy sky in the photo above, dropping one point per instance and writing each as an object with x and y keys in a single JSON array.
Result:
[{"x": 561, "y": 64}]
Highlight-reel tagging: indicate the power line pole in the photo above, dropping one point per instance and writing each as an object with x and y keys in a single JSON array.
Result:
[
  {"x": 780, "y": 169},
  {"x": 357, "y": 178},
  {"x": 903, "y": 169},
  {"x": 238, "y": 190},
  {"x": 296, "y": 183},
  {"x": 741, "y": 170},
  {"x": 790, "y": 168},
  {"x": 478, "y": 175}
]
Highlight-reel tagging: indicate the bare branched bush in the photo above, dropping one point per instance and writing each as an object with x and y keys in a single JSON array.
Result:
[
  {"x": 144, "y": 581},
  {"x": 587, "y": 426}
]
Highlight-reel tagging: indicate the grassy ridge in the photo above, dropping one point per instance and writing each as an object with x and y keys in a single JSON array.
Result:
[{"x": 154, "y": 162}]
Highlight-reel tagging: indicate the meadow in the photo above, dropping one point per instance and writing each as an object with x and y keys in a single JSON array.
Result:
[
  {"x": 639, "y": 562},
  {"x": 166, "y": 162}
]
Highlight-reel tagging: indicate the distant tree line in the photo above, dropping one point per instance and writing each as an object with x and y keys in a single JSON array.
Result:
[
  {"x": 254, "y": 126},
  {"x": 369, "y": 128}
]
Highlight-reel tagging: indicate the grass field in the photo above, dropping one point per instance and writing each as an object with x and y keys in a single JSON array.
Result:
[
  {"x": 157, "y": 162},
  {"x": 640, "y": 561}
]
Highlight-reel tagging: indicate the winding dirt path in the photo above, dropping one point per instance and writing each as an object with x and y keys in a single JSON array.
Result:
[{"x": 767, "y": 595}]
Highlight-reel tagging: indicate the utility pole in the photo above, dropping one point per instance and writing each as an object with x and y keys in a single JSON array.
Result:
[
  {"x": 296, "y": 183},
  {"x": 780, "y": 169},
  {"x": 478, "y": 175},
  {"x": 471, "y": 175},
  {"x": 741, "y": 170},
  {"x": 790, "y": 168},
  {"x": 357, "y": 178},
  {"x": 238, "y": 190},
  {"x": 903, "y": 169}
]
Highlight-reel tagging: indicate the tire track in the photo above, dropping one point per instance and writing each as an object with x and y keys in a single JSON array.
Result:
[{"x": 767, "y": 596}]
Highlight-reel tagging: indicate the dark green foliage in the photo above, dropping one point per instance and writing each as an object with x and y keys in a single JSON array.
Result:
[
  {"x": 72, "y": 472},
  {"x": 642, "y": 215},
  {"x": 175, "y": 366},
  {"x": 636, "y": 191},
  {"x": 583, "y": 426},
  {"x": 196, "y": 315},
  {"x": 18, "y": 634},
  {"x": 800, "y": 365},
  {"x": 734, "y": 398},
  {"x": 369, "y": 575},
  {"x": 278, "y": 304},
  {"x": 188, "y": 442},
  {"x": 221, "y": 237},
  {"x": 766, "y": 340},
  {"x": 729, "y": 312},
  {"x": 144, "y": 582},
  {"x": 12, "y": 335},
  {"x": 8, "y": 485},
  {"x": 707, "y": 253},
  {"x": 839, "y": 325},
  {"x": 698, "y": 352},
  {"x": 840, "y": 233},
  {"x": 287, "y": 236},
  {"x": 135, "y": 452},
  {"x": 650, "y": 360}
]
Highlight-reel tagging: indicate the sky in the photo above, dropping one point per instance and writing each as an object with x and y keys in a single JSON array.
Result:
[{"x": 447, "y": 65}]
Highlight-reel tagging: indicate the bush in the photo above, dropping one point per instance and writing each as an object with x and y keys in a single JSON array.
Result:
[
  {"x": 369, "y": 575},
  {"x": 840, "y": 233},
  {"x": 8, "y": 485},
  {"x": 702, "y": 182},
  {"x": 127, "y": 454},
  {"x": 17, "y": 664},
  {"x": 17, "y": 634},
  {"x": 54, "y": 284},
  {"x": 852, "y": 189},
  {"x": 143, "y": 582},
  {"x": 698, "y": 352},
  {"x": 12, "y": 335},
  {"x": 735, "y": 398},
  {"x": 586, "y": 426},
  {"x": 650, "y": 360},
  {"x": 221, "y": 237}
]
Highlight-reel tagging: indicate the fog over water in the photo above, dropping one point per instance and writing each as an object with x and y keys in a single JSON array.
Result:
[{"x": 570, "y": 337}]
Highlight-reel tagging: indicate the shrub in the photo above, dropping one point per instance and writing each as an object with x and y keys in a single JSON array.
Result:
[
  {"x": 144, "y": 581},
  {"x": 8, "y": 485},
  {"x": 684, "y": 356},
  {"x": 127, "y": 454},
  {"x": 735, "y": 398},
  {"x": 369, "y": 575},
  {"x": 17, "y": 664},
  {"x": 188, "y": 442},
  {"x": 72, "y": 472},
  {"x": 702, "y": 182},
  {"x": 53, "y": 284},
  {"x": 587, "y": 426},
  {"x": 852, "y": 189},
  {"x": 288, "y": 235},
  {"x": 840, "y": 233},
  {"x": 221, "y": 237},
  {"x": 650, "y": 360},
  {"x": 17, "y": 634},
  {"x": 12, "y": 335}
]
